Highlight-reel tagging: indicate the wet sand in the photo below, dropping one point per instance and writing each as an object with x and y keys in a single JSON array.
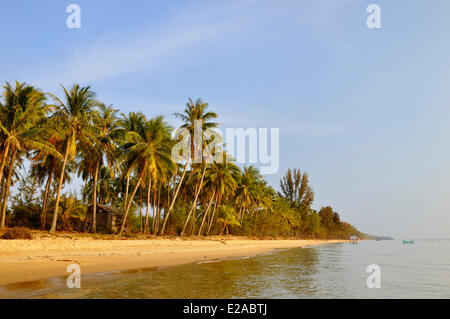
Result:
[{"x": 32, "y": 260}]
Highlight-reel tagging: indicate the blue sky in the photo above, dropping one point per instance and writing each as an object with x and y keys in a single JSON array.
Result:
[{"x": 365, "y": 112}]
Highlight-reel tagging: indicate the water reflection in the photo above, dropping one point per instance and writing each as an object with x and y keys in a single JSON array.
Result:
[
  {"x": 329, "y": 271},
  {"x": 286, "y": 273},
  {"x": 263, "y": 276}
]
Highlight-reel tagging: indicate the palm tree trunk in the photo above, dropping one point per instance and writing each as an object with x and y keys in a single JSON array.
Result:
[
  {"x": 129, "y": 205},
  {"x": 2, "y": 193},
  {"x": 240, "y": 213},
  {"x": 58, "y": 194},
  {"x": 126, "y": 194},
  {"x": 140, "y": 212},
  {"x": 195, "y": 200},
  {"x": 174, "y": 198},
  {"x": 254, "y": 226},
  {"x": 94, "y": 199},
  {"x": 7, "y": 186},
  {"x": 148, "y": 204},
  {"x": 158, "y": 209},
  {"x": 223, "y": 229},
  {"x": 44, "y": 204},
  {"x": 154, "y": 211},
  {"x": 206, "y": 214},
  {"x": 4, "y": 158},
  {"x": 216, "y": 205}
]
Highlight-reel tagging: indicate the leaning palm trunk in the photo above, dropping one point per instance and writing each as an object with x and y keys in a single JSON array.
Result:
[
  {"x": 216, "y": 205},
  {"x": 206, "y": 214},
  {"x": 154, "y": 211},
  {"x": 254, "y": 226},
  {"x": 241, "y": 212},
  {"x": 126, "y": 194},
  {"x": 58, "y": 193},
  {"x": 195, "y": 201},
  {"x": 44, "y": 204},
  {"x": 223, "y": 229},
  {"x": 7, "y": 186},
  {"x": 140, "y": 213},
  {"x": 158, "y": 210},
  {"x": 4, "y": 158},
  {"x": 124, "y": 221},
  {"x": 148, "y": 205},
  {"x": 94, "y": 200},
  {"x": 2, "y": 193},
  {"x": 174, "y": 199}
]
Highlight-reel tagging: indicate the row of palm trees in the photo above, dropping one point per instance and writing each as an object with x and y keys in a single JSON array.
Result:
[{"x": 124, "y": 160}]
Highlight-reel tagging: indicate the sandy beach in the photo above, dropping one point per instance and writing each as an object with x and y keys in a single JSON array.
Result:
[{"x": 29, "y": 260}]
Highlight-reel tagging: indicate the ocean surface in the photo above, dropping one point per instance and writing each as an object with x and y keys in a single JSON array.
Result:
[{"x": 419, "y": 270}]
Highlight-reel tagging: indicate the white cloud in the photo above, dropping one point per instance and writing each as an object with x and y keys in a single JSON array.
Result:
[{"x": 113, "y": 55}]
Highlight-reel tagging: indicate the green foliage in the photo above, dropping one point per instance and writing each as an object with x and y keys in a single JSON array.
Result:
[
  {"x": 333, "y": 227},
  {"x": 72, "y": 212},
  {"x": 228, "y": 219},
  {"x": 127, "y": 163},
  {"x": 296, "y": 189}
]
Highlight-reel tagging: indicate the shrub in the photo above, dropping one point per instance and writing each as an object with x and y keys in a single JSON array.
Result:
[{"x": 17, "y": 233}]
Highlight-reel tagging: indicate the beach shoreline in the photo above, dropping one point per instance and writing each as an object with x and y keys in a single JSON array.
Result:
[{"x": 37, "y": 259}]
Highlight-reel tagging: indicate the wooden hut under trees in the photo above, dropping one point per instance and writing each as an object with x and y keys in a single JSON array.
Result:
[{"x": 107, "y": 218}]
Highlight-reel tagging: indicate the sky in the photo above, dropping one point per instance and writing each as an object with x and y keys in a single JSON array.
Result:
[{"x": 364, "y": 112}]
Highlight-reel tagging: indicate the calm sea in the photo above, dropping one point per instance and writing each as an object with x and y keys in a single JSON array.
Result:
[{"x": 419, "y": 270}]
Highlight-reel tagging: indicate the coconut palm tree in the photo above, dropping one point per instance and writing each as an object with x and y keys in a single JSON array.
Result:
[
  {"x": 73, "y": 116},
  {"x": 223, "y": 177},
  {"x": 228, "y": 218},
  {"x": 195, "y": 112},
  {"x": 107, "y": 132},
  {"x": 164, "y": 172},
  {"x": 127, "y": 123},
  {"x": 108, "y": 192},
  {"x": 146, "y": 148},
  {"x": 71, "y": 208},
  {"x": 22, "y": 123},
  {"x": 45, "y": 166},
  {"x": 246, "y": 192}
]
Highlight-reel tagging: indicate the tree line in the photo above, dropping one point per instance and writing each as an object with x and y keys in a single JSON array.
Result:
[{"x": 124, "y": 161}]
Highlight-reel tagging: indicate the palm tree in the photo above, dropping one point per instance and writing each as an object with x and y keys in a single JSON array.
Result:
[
  {"x": 74, "y": 124},
  {"x": 146, "y": 148},
  {"x": 126, "y": 124},
  {"x": 206, "y": 212},
  {"x": 228, "y": 218},
  {"x": 45, "y": 166},
  {"x": 105, "y": 122},
  {"x": 194, "y": 112},
  {"x": 246, "y": 192},
  {"x": 22, "y": 125},
  {"x": 223, "y": 177},
  {"x": 71, "y": 208}
]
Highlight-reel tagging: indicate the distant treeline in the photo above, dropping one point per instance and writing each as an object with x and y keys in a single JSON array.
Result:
[{"x": 125, "y": 162}]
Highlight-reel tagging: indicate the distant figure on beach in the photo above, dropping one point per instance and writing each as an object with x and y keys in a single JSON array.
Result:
[{"x": 354, "y": 240}]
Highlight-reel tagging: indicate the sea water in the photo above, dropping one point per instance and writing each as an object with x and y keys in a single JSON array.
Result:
[{"x": 421, "y": 270}]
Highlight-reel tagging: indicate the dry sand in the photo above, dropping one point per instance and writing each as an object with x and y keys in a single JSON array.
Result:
[{"x": 28, "y": 260}]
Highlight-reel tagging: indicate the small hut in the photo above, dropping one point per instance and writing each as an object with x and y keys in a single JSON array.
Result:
[{"x": 107, "y": 218}]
